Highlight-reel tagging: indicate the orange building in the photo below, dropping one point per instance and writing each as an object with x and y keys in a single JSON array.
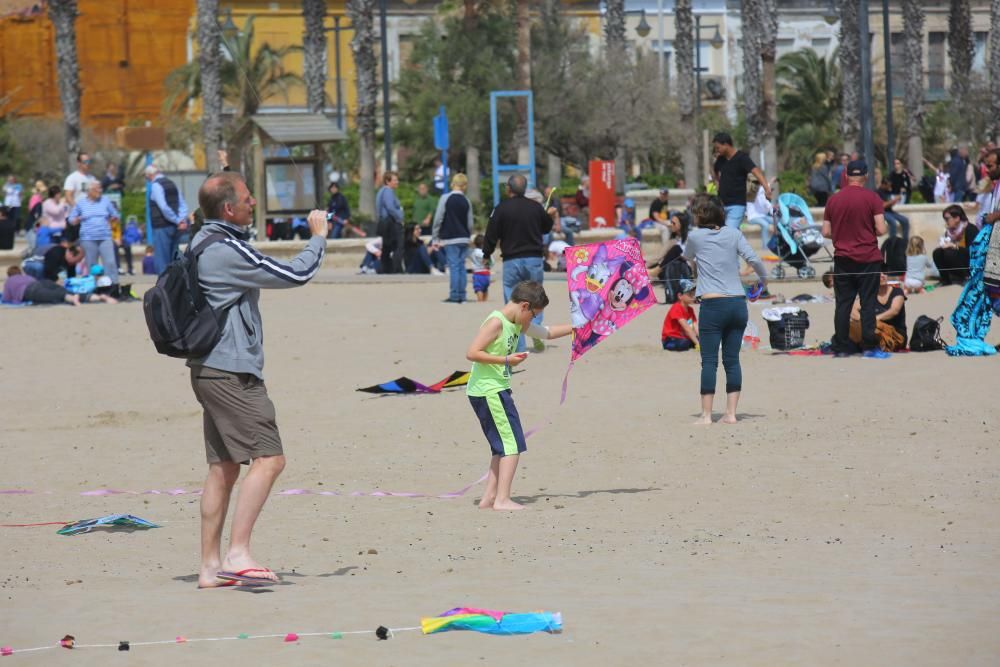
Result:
[{"x": 125, "y": 48}]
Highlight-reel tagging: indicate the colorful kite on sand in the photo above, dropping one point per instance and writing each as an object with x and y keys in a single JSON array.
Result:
[
  {"x": 492, "y": 622},
  {"x": 608, "y": 287},
  {"x": 112, "y": 522},
  {"x": 405, "y": 385}
]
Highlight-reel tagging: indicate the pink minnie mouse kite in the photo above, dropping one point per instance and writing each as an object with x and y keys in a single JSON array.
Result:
[{"x": 608, "y": 286}]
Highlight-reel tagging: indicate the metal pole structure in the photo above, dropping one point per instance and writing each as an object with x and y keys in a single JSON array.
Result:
[
  {"x": 659, "y": 38},
  {"x": 890, "y": 149},
  {"x": 387, "y": 130},
  {"x": 149, "y": 216},
  {"x": 336, "y": 59},
  {"x": 867, "y": 115},
  {"x": 697, "y": 62}
]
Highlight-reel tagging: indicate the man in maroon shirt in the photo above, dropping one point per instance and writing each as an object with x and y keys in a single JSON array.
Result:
[{"x": 854, "y": 219}]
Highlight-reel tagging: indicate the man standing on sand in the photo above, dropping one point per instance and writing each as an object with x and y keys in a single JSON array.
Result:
[
  {"x": 239, "y": 418},
  {"x": 731, "y": 170},
  {"x": 854, "y": 218},
  {"x": 517, "y": 225}
]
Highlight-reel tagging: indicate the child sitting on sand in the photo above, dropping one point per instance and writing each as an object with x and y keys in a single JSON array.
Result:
[
  {"x": 492, "y": 355},
  {"x": 480, "y": 273},
  {"x": 917, "y": 266},
  {"x": 680, "y": 326}
]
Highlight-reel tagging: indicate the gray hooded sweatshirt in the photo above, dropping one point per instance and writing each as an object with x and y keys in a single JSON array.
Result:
[{"x": 232, "y": 274}]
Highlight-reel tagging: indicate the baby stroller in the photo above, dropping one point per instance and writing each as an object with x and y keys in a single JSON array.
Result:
[{"x": 798, "y": 237}]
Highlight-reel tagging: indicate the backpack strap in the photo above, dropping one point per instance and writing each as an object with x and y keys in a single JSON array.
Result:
[{"x": 207, "y": 241}]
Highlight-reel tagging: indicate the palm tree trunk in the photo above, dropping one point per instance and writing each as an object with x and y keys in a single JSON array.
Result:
[
  {"x": 994, "y": 63},
  {"x": 362, "y": 16},
  {"x": 470, "y": 18},
  {"x": 768, "y": 56},
  {"x": 522, "y": 21},
  {"x": 684, "y": 48},
  {"x": 614, "y": 30},
  {"x": 752, "y": 86},
  {"x": 960, "y": 51},
  {"x": 913, "y": 37},
  {"x": 209, "y": 35},
  {"x": 849, "y": 55},
  {"x": 63, "y": 13},
  {"x": 472, "y": 172},
  {"x": 314, "y": 54}
]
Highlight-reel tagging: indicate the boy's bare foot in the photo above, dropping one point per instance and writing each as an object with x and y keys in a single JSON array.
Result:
[
  {"x": 507, "y": 505},
  {"x": 207, "y": 578},
  {"x": 728, "y": 419},
  {"x": 704, "y": 420},
  {"x": 486, "y": 503},
  {"x": 244, "y": 563}
]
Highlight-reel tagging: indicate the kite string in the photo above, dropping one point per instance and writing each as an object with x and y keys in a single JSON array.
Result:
[{"x": 183, "y": 640}]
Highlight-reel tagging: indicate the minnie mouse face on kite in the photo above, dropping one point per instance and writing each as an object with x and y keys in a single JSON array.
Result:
[{"x": 621, "y": 294}]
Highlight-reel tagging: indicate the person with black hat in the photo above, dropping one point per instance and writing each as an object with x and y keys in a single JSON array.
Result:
[{"x": 854, "y": 218}]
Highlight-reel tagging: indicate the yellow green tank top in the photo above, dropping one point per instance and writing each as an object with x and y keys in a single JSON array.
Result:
[{"x": 488, "y": 379}]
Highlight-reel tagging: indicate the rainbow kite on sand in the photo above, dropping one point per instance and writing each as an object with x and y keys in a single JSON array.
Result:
[{"x": 492, "y": 622}]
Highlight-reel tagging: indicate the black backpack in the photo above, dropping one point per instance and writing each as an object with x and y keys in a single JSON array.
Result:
[
  {"x": 894, "y": 256},
  {"x": 926, "y": 335},
  {"x": 673, "y": 273},
  {"x": 181, "y": 322}
]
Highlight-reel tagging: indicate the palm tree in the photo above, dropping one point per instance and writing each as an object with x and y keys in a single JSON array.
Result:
[
  {"x": 614, "y": 30},
  {"x": 768, "y": 56},
  {"x": 960, "y": 51},
  {"x": 314, "y": 53},
  {"x": 684, "y": 47},
  {"x": 752, "y": 93},
  {"x": 913, "y": 35},
  {"x": 209, "y": 36},
  {"x": 809, "y": 92},
  {"x": 362, "y": 16},
  {"x": 522, "y": 20},
  {"x": 995, "y": 69},
  {"x": 850, "y": 72},
  {"x": 246, "y": 78},
  {"x": 63, "y": 14}
]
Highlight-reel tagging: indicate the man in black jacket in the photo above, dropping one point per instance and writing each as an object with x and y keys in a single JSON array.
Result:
[{"x": 517, "y": 224}]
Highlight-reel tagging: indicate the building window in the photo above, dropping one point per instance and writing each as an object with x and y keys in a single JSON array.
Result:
[
  {"x": 979, "y": 57},
  {"x": 935, "y": 63}
]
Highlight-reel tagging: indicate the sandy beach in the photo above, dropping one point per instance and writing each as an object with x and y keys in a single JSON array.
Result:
[{"x": 851, "y": 518}]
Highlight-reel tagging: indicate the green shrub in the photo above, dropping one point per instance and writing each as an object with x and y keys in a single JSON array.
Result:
[{"x": 795, "y": 181}]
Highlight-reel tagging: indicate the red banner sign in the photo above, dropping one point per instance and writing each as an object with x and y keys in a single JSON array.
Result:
[{"x": 602, "y": 193}]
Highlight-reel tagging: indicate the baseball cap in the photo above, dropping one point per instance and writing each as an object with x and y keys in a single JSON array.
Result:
[
  {"x": 857, "y": 168},
  {"x": 686, "y": 286},
  {"x": 629, "y": 203},
  {"x": 664, "y": 191}
]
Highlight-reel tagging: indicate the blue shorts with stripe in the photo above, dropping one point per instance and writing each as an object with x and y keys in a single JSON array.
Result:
[{"x": 501, "y": 423}]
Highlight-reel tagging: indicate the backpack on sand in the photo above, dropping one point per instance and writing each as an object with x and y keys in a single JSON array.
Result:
[
  {"x": 673, "y": 273},
  {"x": 181, "y": 322},
  {"x": 926, "y": 335}
]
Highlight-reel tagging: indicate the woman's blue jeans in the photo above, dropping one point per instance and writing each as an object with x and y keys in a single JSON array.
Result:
[
  {"x": 722, "y": 321},
  {"x": 454, "y": 255}
]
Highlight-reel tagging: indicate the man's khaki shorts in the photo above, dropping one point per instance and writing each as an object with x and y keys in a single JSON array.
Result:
[{"x": 239, "y": 417}]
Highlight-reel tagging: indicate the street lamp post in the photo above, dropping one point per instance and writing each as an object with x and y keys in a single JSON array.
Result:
[
  {"x": 716, "y": 42},
  {"x": 336, "y": 64}
]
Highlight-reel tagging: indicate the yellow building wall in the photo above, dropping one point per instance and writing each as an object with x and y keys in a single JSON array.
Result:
[
  {"x": 125, "y": 49},
  {"x": 280, "y": 24}
]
